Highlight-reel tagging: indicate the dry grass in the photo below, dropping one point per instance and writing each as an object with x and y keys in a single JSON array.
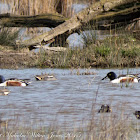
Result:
[
  {"x": 115, "y": 51},
  {"x": 107, "y": 126},
  {"x": 111, "y": 52}
]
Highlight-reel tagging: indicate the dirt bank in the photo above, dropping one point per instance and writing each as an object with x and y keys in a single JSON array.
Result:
[{"x": 15, "y": 59}]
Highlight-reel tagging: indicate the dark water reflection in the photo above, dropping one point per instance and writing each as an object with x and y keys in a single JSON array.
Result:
[{"x": 66, "y": 102}]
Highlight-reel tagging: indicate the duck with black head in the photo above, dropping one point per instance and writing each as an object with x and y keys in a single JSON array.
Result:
[
  {"x": 13, "y": 82},
  {"x": 122, "y": 78}
]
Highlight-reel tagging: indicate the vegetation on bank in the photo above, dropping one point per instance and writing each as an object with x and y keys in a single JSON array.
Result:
[
  {"x": 114, "y": 51},
  {"x": 120, "y": 50},
  {"x": 8, "y": 36}
]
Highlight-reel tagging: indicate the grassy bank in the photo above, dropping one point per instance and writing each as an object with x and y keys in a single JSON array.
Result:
[
  {"x": 119, "y": 50},
  {"x": 114, "y": 51}
]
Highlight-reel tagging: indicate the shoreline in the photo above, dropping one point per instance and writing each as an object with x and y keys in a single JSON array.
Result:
[
  {"x": 18, "y": 60},
  {"x": 88, "y": 57}
]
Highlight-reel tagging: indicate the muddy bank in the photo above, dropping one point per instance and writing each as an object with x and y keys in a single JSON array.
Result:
[
  {"x": 15, "y": 59},
  {"x": 118, "y": 53}
]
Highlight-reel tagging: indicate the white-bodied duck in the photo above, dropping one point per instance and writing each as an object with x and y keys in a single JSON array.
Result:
[
  {"x": 13, "y": 82},
  {"x": 122, "y": 78}
]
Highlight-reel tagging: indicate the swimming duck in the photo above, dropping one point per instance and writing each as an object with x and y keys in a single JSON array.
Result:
[
  {"x": 4, "y": 91},
  {"x": 13, "y": 82},
  {"x": 137, "y": 114},
  {"x": 105, "y": 109},
  {"x": 122, "y": 78},
  {"x": 45, "y": 77}
]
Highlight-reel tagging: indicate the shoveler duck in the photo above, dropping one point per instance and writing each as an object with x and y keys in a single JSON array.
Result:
[
  {"x": 13, "y": 82},
  {"x": 122, "y": 78},
  {"x": 4, "y": 91},
  {"x": 137, "y": 114},
  {"x": 105, "y": 109},
  {"x": 45, "y": 77}
]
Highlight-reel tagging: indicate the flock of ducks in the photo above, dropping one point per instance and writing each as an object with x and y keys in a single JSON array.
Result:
[
  {"x": 22, "y": 82},
  {"x": 46, "y": 77}
]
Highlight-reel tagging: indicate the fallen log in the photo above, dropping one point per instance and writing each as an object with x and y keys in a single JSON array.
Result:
[
  {"x": 43, "y": 20},
  {"x": 54, "y": 49},
  {"x": 114, "y": 11}
]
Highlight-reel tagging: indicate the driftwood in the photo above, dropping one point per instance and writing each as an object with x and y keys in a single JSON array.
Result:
[
  {"x": 54, "y": 49},
  {"x": 116, "y": 13},
  {"x": 49, "y": 20}
]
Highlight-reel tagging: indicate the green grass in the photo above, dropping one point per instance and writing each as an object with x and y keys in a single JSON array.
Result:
[
  {"x": 113, "y": 51},
  {"x": 8, "y": 36},
  {"x": 119, "y": 50}
]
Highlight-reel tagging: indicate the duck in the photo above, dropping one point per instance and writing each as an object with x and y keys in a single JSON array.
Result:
[
  {"x": 4, "y": 91},
  {"x": 137, "y": 114},
  {"x": 133, "y": 78},
  {"x": 45, "y": 77},
  {"x": 13, "y": 82},
  {"x": 105, "y": 109}
]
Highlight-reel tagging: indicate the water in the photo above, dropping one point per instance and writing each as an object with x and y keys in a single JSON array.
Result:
[
  {"x": 78, "y": 7},
  {"x": 67, "y": 101},
  {"x": 4, "y": 8}
]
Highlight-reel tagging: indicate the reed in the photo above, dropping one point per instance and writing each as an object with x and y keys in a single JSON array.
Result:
[
  {"x": 119, "y": 49},
  {"x": 113, "y": 51},
  {"x": 8, "y": 36},
  {"x": 115, "y": 125},
  {"x": 102, "y": 126},
  {"x": 35, "y": 7}
]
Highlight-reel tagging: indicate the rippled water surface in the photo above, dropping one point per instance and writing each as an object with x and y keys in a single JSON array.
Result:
[{"x": 68, "y": 100}]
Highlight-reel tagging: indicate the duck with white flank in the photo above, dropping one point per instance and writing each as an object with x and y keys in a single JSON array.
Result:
[
  {"x": 45, "y": 77},
  {"x": 122, "y": 78},
  {"x": 13, "y": 82}
]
